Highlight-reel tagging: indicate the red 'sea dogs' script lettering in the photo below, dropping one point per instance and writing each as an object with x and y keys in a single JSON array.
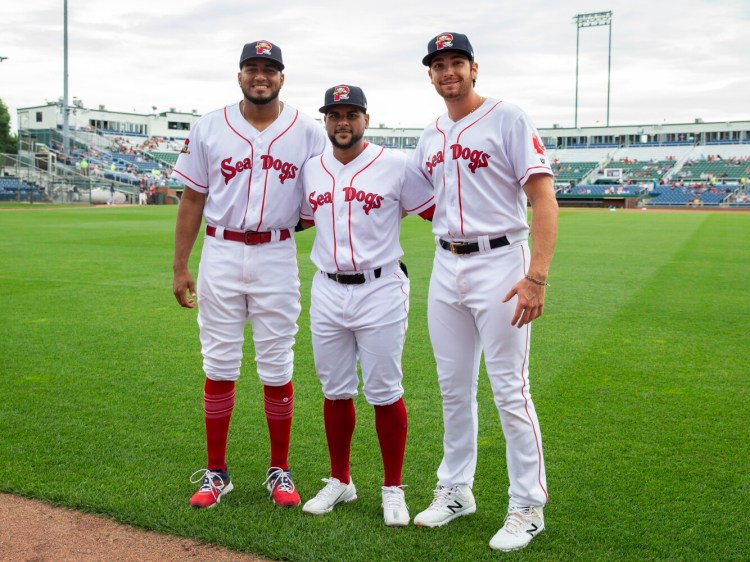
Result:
[
  {"x": 287, "y": 169},
  {"x": 229, "y": 170},
  {"x": 371, "y": 200},
  {"x": 319, "y": 200},
  {"x": 476, "y": 158},
  {"x": 433, "y": 161}
]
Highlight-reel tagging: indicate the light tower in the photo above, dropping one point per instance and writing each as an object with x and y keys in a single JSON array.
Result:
[
  {"x": 66, "y": 125},
  {"x": 593, "y": 19}
]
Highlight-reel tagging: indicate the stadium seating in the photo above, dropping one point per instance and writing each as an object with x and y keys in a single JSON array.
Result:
[
  {"x": 168, "y": 158},
  {"x": 14, "y": 189},
  {"x": 642, "y": 171},
  {"x": 665, "y": 195},
  {"x": 605, "y": 190},
  {"x": 572, "y": 171},
  {"x": 721, "y": 170}
]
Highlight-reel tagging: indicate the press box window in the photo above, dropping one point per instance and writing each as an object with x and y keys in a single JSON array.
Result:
[{"x": 178, "y": 126}]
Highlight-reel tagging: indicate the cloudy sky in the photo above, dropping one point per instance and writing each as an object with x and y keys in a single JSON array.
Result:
[{"x": 672, "y": 60}]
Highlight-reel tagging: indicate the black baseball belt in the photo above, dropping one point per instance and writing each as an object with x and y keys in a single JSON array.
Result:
[
  {"x": 249, "y": 237},
  {"x": 353, "y": 278},
  {"x": 462, "y": 248}
]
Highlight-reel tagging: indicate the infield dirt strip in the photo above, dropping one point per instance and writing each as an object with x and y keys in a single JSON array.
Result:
[{"x": 31, "y": 530}]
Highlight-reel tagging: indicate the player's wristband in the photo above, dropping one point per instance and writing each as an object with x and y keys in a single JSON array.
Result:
[{"x": 537, "y": 281}]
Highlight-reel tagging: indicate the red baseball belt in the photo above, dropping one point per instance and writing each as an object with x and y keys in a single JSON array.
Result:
[{"x": 249, "y": 237}]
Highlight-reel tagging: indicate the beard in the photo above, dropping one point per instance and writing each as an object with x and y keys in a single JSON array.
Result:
[
  {"x": 268, "y": 98},
  {"x": 456, "y": 93},
  {"x": 346, "y": 145}
]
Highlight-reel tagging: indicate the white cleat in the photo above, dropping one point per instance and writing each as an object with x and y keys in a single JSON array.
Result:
[
  {"x": 449, "y": 502},
  {"x": 521, "y": 525},
  {"x": 333, "y": 493},
  {"x": 395, "y": 510}
]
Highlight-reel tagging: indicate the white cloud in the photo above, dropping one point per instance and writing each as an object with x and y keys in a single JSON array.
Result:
[{"x": 671, "y": 60}]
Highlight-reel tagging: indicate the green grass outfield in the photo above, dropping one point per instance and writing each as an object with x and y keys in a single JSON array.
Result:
[{"x": 639, "y": 371}]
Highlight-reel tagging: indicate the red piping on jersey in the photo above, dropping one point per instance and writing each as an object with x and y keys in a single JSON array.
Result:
[
  {"x": 526, "y": 399},
  {"x": 529, "y": 172},
  {"x": 351, "y": 183},
  {"x": 333, "y": 213},
  {"x": 445, "y": 142},
  {"x": 420, "y": 205},
  {"x": 252, "y": 168},
  {"x": 265, "y": 183},
  {"x": 458, "y": 169},
  {"x": 190, "y": 180}
]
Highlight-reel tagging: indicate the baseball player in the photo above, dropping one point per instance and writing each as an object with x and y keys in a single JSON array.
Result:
[
  {"x": 240, "y": 167},
  {"x": 355, "y": 193},
  {"x": 485, "y": 159}
]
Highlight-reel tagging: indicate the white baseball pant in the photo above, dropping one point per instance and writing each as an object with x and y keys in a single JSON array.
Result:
[
  {"x": 466, "y": 317},
  {"x": 237, "y": 283},
  {"x": 368, "y": 321}
]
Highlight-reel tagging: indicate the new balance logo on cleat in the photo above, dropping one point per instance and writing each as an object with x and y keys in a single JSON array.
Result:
[
  {"x": 455, "y": 506},
  {"x": 449, "y": 502},
  {"x": 521, "y": 525}
]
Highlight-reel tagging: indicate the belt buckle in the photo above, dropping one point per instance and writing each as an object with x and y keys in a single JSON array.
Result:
[
  {"x": 248, "y": 238},
  {"x": 454, "y": 248}
]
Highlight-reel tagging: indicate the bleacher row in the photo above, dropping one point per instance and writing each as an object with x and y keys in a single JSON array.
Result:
[
  {"x": 127, "y": 161},
  {"x": 679, "y": 175},
  {"x": 14, "y": 189},
  {"x": 648, "y": 171},
  {"x": 659, "y": 176}
]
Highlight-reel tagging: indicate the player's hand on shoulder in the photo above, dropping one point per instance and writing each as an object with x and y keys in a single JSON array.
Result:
[{"x": 530, "y": 303}]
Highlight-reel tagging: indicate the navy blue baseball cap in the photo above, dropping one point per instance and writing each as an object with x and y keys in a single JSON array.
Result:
[
  {"x": 262, "y": 49},
  {"x": 448, "y": 41},
  {"x": 344, "y": 95}
]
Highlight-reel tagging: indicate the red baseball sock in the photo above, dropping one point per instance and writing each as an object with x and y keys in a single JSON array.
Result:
[
  {"x": 218, "y": 403},
  {"x": 391, "y": 423},
  {"x": 340, "y": 419},
  {"x": 279, "y": 405}
]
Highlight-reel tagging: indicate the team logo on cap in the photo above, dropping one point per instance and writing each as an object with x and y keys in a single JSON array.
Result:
[
  {"x": 263, "y": 48},
  {"x": 444, "y": 41},
  {"x": 340, "y": 93}
]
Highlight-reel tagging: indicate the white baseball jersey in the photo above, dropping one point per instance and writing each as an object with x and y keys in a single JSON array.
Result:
[
  {"x": 248, "y": 174},
  {"x": 357, "y": 207},
  {"x": 478, "y": 166},
  {"x": 251, "y": 178}
]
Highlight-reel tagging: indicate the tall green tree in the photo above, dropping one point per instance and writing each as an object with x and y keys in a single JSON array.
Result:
[{"x": 8, "y": 142}]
